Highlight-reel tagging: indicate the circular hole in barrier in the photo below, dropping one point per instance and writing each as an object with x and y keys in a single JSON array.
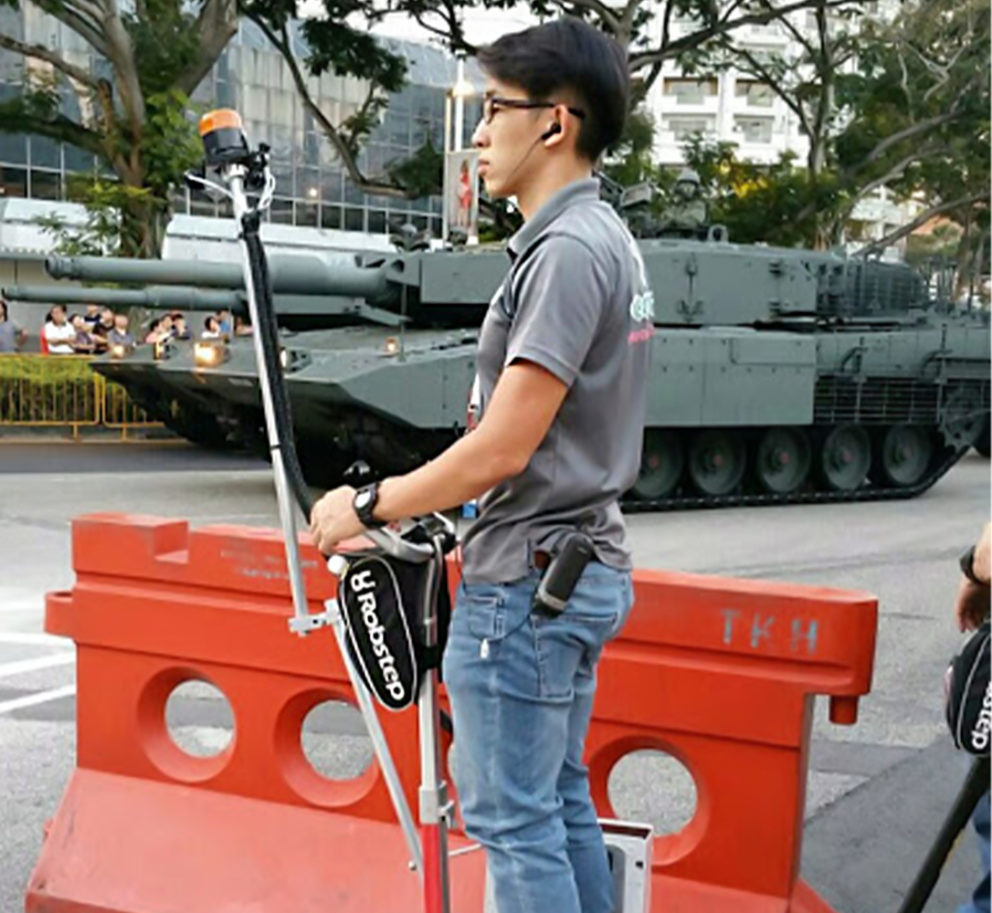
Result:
[
  {"x": 199, "y": 719},
  {"x": 655, "y": 788},
  {"x": 335, "y": 741}
]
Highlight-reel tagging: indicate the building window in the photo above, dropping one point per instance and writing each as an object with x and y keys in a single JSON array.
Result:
[
  {"x": 307, "y": 183},
  {"x": 754, "y": 129},
  {"x": 281, "y": 211},
  {"x": 354, "y": 219},
  {"x": 330, "y": 216},
  {"x": 77, "y": 159},
  {"x": 13, "y": 181},
  {"x": 377, "y": 221},
  {"x": 45, "y": 185},
  {"x": 330, "y": 185},
  {"x": 755, "y": 94},
  {"x": 306, "y": 214},
  {"x": 690, "y": 91},
  {"x": 44, "y": 152},
  {"x": 684, "y": 127},
  {"x": 13, "y": 148}
]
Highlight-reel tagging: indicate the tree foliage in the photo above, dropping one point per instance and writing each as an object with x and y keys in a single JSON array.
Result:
[
  {"x": 339, "y": 41},
  {"x": 132, "y": 111},
  {"x": 920, "y": 127},
  {"x": 900, "y": 104}
]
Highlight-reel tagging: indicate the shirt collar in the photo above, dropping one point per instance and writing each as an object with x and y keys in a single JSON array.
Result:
[{"x": 584, "y": 189}]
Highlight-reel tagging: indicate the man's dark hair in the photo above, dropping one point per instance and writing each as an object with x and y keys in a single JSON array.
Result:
[{"x": 569, "y": 55}]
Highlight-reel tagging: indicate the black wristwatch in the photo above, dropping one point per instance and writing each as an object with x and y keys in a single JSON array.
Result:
[
  {"x": 364, "y": 503},
  {"x": 968, "y": 567}
]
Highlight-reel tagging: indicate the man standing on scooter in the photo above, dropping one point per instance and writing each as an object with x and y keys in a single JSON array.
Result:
[{"x": 560, "y": 391}]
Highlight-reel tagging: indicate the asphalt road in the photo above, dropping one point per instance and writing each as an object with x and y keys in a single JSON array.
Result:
[{"x": 877, "y": 791}]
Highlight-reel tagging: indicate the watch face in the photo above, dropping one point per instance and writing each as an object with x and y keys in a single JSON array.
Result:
[{"x": 362, "y": 499}]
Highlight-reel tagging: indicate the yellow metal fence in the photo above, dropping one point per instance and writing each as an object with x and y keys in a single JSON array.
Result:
[{"x": 63, "y": 391}]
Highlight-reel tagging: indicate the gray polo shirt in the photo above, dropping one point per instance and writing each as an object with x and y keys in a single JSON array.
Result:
[
  {"x": 576, "y": 302},
  {"x": 9, "y": 334}
]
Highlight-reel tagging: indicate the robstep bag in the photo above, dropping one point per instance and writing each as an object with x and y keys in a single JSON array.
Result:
[
  {"x": 969, "y": 695},
  {"x": 383, "y": 599}
]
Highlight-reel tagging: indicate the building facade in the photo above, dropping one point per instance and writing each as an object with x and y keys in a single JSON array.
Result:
[{"x": 312, "y": 188}]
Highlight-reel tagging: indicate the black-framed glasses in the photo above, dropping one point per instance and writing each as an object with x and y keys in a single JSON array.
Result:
[{"x": 492, "y": 103}]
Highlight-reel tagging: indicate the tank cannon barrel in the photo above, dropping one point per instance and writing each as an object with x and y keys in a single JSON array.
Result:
[
  {"x": 301, "y": 275},
  {"x": 158, "y": 297}
]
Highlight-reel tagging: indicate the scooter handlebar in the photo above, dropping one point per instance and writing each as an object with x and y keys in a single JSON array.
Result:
[{"x": 402, "y": 548}]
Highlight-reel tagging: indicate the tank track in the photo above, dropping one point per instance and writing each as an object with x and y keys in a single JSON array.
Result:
[
  {"x": 403, "y": 460},
  {"x": 756, "y": 499}
]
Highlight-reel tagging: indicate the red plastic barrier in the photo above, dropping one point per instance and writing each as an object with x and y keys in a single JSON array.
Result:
[{"x": 719, "y": 673}]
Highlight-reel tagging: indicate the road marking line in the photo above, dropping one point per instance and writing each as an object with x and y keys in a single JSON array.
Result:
[
  {"x": 38, "y": 662},
  {"x": 32, "y": 637},
  {"x": 41, "y": 697}
]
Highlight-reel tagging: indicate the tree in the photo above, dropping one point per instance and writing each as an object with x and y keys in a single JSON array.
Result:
[
  {"x": 339, "y": 41},
  {"x": 330, "y": 43},
  {"x": 133, "y": 117},
  {"x": 755, "y": 202},
  {"x": 921, "y": 124},
  {"x": 879, "y": 102}
]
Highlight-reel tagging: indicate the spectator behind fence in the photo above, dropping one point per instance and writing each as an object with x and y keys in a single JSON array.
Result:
[
  {"x": 225, "y": 321},
  {"x": 119, "y": 335},
  {"x": 92, "y": 316},
  {"x": 179, "y": 328},
  {"x": 211, "y": 328},
  {"x": 84, "y": 343},
  {"x": 58, "y": 332},
  {"x": 241, "y": 327},
  {"x": 102, "y": 328},
  {"x": 12, "y": 335},
  {"x": 151, "y": 337}
]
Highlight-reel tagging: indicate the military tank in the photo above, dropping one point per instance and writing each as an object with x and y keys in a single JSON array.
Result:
[{"x": 778, "y": 376}]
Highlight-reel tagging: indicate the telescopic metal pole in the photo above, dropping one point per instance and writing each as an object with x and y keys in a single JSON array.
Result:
[
  {"x": 434, "y": 804},
  {"x": 235, "y": 177}
]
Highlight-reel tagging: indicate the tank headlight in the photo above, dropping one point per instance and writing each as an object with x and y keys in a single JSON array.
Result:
[
  {"x": 391, "y": 346},
  {"x": 208, "y": 354},
  {"x": 285, "y": 359},
  {"x": 162, "y": 349},
  {"x": 119, "y": 350}
]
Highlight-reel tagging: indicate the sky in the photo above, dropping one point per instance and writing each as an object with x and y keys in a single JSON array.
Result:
[{"x": 481, "y": 26}]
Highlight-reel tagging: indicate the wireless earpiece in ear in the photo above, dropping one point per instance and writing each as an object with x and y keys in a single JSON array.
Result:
[{"x": 551, "y": 131}]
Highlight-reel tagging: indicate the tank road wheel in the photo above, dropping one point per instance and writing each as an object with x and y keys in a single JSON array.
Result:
[
  {"x": 902, "y": 455},
  {"x": 782, "y": 460},
  {"x": 845, "y": 458},
  {"x": 716, "y": 461},
  {"x": 662, "y": 461}
]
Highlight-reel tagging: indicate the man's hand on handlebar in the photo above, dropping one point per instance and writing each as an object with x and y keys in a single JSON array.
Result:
[{"x": 333, "y": 519}]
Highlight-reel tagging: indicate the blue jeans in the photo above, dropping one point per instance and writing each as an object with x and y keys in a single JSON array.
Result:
[
  {"x": 979, "y": 902},
  {"x": 521, "y": 686}
]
